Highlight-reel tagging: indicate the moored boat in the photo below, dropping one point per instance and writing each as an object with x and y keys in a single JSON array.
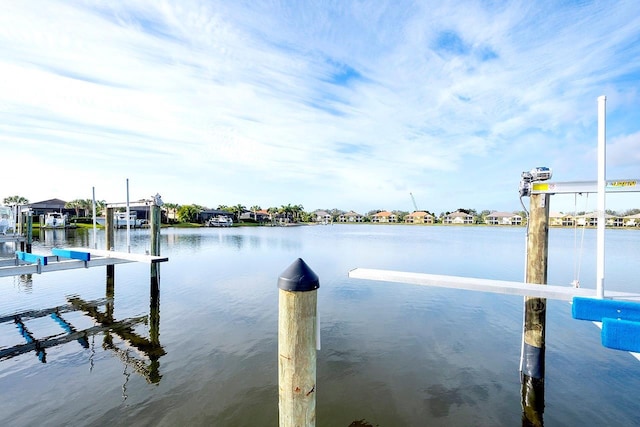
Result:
[
  {"x": 121, "y": 220},
  {"x": 7, "y": 219},
  {"x": 220, "y": 221},
  {"x": 55, "y": 220}
]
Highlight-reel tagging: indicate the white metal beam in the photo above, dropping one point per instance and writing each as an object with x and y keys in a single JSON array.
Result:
[
  {"x": 149, "y": 259},
  {"x": 612, "y": 186},
  {"x": 565, "y": 293}
]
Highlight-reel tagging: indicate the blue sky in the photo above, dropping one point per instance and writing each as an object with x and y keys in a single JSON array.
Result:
[{"x": 346, "y": 104}]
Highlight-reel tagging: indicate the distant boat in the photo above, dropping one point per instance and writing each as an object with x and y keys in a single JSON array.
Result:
[
  {"x": 7, "y": 219},
  {"x": 55, "y": 220},
  {"x": 121, "y": 220},
  {"x": 220, "y": 221}
]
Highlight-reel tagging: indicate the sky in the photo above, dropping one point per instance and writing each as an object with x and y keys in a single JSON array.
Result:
[{"x": 353, "y": 105}]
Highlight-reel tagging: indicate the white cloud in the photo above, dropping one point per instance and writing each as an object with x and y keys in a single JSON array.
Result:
[{"x": 347, "y": 105}]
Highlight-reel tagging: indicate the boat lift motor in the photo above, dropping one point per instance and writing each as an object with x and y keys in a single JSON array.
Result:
[{"x": 541, "y": 173}]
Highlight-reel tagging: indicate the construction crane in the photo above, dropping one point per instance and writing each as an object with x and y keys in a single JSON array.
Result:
[{"x": 413, "y": 199}]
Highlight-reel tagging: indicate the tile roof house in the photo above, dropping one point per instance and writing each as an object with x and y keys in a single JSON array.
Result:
[
  {"x": 591, "y": 220},
  {"x": 350, "y": 216},
  {"x": 384, "y": 217},
  {"x": 503, "y": 218},
  {"x": 419, "y": 217},
  {"x": 260, "y": 215},
  {"x": 323, "y": 217},
  {"x": 458, "y": 217},
  {"x": 557, "y": 219}
]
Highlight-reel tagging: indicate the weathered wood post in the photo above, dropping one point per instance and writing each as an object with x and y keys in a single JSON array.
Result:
[
  {"x": 29, "y": 230},
  {"x": 533, "y": 345},
  {"x": 155, "y": 235},
  {"x": 297, "y": 329},
  {"x": 20, "y": 228},
  {"x": 109, "y": 231}
]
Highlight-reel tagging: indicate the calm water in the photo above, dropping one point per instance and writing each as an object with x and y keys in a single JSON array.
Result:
[{"x": 392, "y": 354}]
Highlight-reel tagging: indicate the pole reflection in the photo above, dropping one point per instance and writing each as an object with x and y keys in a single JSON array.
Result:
[{"x": 119, "y": 335}]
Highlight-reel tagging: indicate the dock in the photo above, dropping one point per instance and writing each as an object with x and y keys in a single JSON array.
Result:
[
  {"x": 70, "y": 259},
  {"x": 16, "y": 239}
]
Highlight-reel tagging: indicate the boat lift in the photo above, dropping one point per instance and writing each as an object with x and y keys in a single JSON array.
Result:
[
  {"x": 618, "y": 318},
  {"x": 69, "y": 259}
]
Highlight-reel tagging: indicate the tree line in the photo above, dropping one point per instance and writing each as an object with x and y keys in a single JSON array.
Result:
[{"x": 294, "y": 213}]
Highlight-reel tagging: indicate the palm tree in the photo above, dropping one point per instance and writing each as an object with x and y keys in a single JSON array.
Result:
[
  {"x": 188, "y": 213},
  {"x": 255, "y": 209},
  {"x": 239, "y": 208},
  {"x": 76, "y": 204},
  {"x": 297, "y": 211},
  {"x": 172, "y": 210},
  {"x": 286, "y": 210},
  {"x": 100, "y": 206},
  {"x": 15, "y": 200}
]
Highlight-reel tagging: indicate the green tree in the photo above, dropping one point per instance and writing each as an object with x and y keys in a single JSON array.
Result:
[
  {"x": 400, "y": 215},
  {"x": 171, "y": 209},
  {"x": 297, "y": 211},
  {"x": 286, "y": 210},
  {"x": 254, "y": 210},
  {"x": 306, "y": 216},
  {"x": 100, "y": 206},
  {"x": 239, "y": 210},
  {"x": 188, "y": 213},
  {"x": 15, "y": 200}
]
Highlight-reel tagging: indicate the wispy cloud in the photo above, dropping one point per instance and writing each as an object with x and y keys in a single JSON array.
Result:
[{"x": 341, "y": 104}]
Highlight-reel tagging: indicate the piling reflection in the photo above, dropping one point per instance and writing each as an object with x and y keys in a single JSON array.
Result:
[
  {"x": 138, "y": 353},
  {"x": 532, "y": 401}
]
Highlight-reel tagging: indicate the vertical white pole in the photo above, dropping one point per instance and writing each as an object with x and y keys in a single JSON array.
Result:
[
  {"x": 602, "y": 101},
  {"x": 95, "y": 241},
  {"x": 127, "y": 213}
]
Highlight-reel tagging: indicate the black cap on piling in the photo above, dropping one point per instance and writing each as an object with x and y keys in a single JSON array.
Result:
[{"x": 298, "y": 277}]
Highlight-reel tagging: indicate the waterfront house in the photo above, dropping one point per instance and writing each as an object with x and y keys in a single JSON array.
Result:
[
  {"x": 503, "y": 218},
  {"x": 559, "y": 219},
  {"x": 51, "y": 205},
  {"x": 384, "y": 217},
  {"x": 591, "y": 220},
  {"x": 631, "y": 220},
  {"x": 258, "y": 216},
  {"x": 350, "y": 216},
  {"x": 322, "y": 217},
  {"x": 458, "y": 217},
  {"x": 419, "y": 217}
]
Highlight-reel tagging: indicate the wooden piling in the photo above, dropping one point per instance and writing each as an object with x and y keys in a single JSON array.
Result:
[
  {"x": 21, "y": 230},
  {"x": 155, "y": 237},
  {"x": 29, "y": 231},
  {"x": 533, "y": 346},
  {"x": 109, "y": 230},
  {"x": 155, "y": 229},
  {"x": 297, "y": 328}
]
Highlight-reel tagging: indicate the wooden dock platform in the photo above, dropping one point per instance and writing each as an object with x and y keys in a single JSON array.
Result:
[
  {"x": 12, "y": 238},
  {"x": 69, "y": 259}
]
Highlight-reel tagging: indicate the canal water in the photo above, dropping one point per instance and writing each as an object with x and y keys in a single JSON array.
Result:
[{"x": 392, "y": 354}]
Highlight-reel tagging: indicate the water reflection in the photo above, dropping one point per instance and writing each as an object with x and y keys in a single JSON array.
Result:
[
  {"x": 238, "y": 240},
  {"x": 119, "y": 336},
  {"x": 55, "y": 237}
]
